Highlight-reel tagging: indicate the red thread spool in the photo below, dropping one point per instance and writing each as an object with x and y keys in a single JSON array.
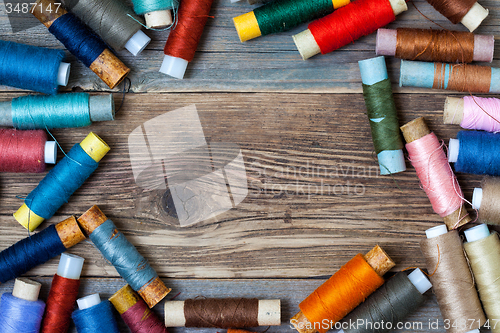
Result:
[
  {"x": 62, "y": 295},
  {"x": 183, "y": 40},
  {"x": 25, "y": 151},
  {"x": 135, "y": 313},
  {"x": 346, "y": 24}
]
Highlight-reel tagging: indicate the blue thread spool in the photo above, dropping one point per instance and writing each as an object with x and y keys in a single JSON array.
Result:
[
  {"x": 423, "y": 74},
  {"x": 21, "y": 311},
  {"x": 129, "y": 263},
  {"x": 59, "y": 111},
  {"x": 61, "y": 182},
  {"x": 39, "y": 248},
  {"x": 94, "y": 316},
  {"x": 33, "y": 68},
  {"x": 475, "y": 152},
  {"x": 373, "y": 71},
  {"x": 80, "y": 41}
]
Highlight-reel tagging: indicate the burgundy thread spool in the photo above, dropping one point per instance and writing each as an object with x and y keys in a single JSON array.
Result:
[{"x": 25, "y": 151}]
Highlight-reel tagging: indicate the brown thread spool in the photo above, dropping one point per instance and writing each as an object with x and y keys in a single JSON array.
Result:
[
  {"x": 452, "y": 280},
  {"x": 435, "y": 45},
  {"x": 486, "y": 200},
  {"x": 415, "y": 130},
  {"x": 468, "y": 12},
  {"x": 153, "y": 291},
  {"x": 107, "y": 66},
  {"x": 379, "y": 261},
  {"x": 223, "y": 313}
]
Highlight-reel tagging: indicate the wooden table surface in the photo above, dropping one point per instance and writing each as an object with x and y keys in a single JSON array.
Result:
[{"x": 315, "y": 197}]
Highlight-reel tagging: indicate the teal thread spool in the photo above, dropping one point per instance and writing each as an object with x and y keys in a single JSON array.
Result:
[
  {"x": 157, "y": 13},
  {"x": 382, "y": 114},
  {"x": 56, "y": 111}
]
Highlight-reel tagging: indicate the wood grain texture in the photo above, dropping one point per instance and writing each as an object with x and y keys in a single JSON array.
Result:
[
  {"x": 270, "y": 63},
  {"x": 290, "y": 291}
]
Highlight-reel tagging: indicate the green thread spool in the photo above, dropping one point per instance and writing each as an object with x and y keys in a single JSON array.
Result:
[
  {"x": 382, "y": 114},
  {"x": 483, "y": 251},
  {"x": 282, "y": 15},
  {"x": 56, "y": 111}
]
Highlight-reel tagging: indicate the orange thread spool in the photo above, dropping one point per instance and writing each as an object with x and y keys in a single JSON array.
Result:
[{"x": 342, "y": 292}]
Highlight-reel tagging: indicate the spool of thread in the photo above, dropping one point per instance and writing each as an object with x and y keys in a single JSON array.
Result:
[
  {"x": 62, "y": 295},
  {"x": 58, "y": 111},
  {"x": 183, "y": 40},
  {"x": 33, "y": 68},
  {"x": 223, "y": 313},
  {"x": 135, "y": 313},
  {"x": 282, "y": 15},
  {"x": 485, "y": 199},
  {"x": 458, "y": 77},
  {"x": 39, "y": 248},
  {"x": 382, "y": 115},
  {"x": 472, "y": 112},
  {"x": 451, "y": 280},
  {"x": 438, "y": 180},
  {"x": 21, "y": 311},
  {"x": 82, "y": 42},
  {"x": 110, "y": 20},
  {"x": 25, "y": 151},
  {"x": 156, "y": 12},
  {"x": 435, "y": 45},
  {"x": 390, "y": 304},
  {"x": 342, "y": 292},
  {"x": 483, "y": 251},
  {"x": 61, "y": 182},
  {"x": 129, "y": 263},
  {"x": 475, "y": 152},
  {"x": 467, "y": 12},
  {"x": 345, "y": 25},
  {"x": 94, "y": 316}
]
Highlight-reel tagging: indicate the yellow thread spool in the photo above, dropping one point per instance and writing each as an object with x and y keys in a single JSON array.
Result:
[{"x": 95, "y": 147}]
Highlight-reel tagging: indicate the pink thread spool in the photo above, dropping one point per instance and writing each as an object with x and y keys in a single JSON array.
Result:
[
  {"x": 435, "y": 174},
  {"x": 473, "y": 112}
]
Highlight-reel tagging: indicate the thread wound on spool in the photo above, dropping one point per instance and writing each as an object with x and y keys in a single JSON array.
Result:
[
  {"x": 221, "y": 313},
  {"x": 19, "y": 315},
  {"x": 483, "y": 255},
  {"x": 435, "y": 45},
  {"x": 98, "y": 318},
  {"x": 30, "y": 252},
  {"x": 435, "y": 174},
  {"x": 59, "y": 111},
  {"x": 108, "y": 18},
  {"x": 481, "y": 113},
  {"x": 489, "y": 212},
  {"x": 183, "y": 40},
  {"x": 341, "y": 293},
  {"x": 142, "y": 7},
  {"x": 29, "y": 67},
  {"x": 60, "y": 304},
  {"x": 345, "y": 25},
  {"x": 391, "y": 303},
  {"x": 452, "y": 282},
  {"x": 452, "y": 10},
  {"x": 22, "y": 151},
  {"x": 479, "y": 153}
]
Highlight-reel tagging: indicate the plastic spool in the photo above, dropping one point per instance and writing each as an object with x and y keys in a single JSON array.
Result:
[
  {"x": 88, "y": 301},
  {"x": 70, "y": 266},
  {"x": 453, "y": 150},
  {"x": 373, "y": 71},
  {"x": 386, "y": 42},
  {"x": 420, "y": 281},
  {"x": 173, "y": 66},
  {"x": 436, "y": 231},
  {"x": 63, "y": 74},
  {"x": 477, "y": 197},
  {"x": 137, "y": 43},
  {"x": 476, "y": 233},
  {"x": 50, "y": 152}
]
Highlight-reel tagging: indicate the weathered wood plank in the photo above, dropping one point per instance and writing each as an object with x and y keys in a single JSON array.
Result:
[
  {"x": 269, "y": 63},
  {"x": 300, "y": 152},
  {"x": 291, "y": 293}
]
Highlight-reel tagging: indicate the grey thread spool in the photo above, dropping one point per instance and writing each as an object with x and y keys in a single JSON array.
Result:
[
  {"x": 110, "y": 20},
  {"x": 390, "y": 304},
  {"x": 452, "y": 280}
]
